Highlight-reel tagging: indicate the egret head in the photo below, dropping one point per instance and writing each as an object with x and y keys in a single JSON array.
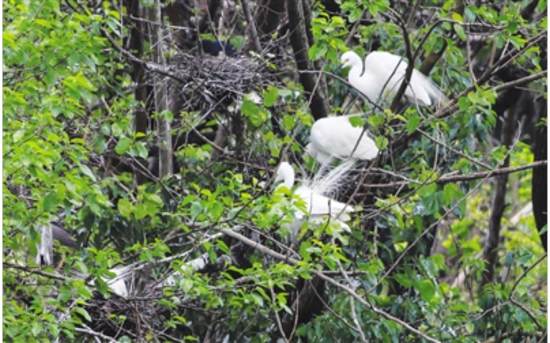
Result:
[
  {"x": 285, "y": 173},
  {"x": 350, "y": 59}
]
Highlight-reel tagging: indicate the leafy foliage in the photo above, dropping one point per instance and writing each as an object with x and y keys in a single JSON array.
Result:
[{"x": 211, "y": 256}]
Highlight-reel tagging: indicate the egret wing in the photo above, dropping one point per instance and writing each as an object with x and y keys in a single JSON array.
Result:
[
  {"x": 384, "y": 66},
  {"x": 336, "y": 136}
]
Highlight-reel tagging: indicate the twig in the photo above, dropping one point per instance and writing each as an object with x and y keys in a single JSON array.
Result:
[
  {"x": 455, "y": 151},
  {"x": 522, "y": 81},
  {"x": 351, "y": 292},
  {"x": 532, "y": 316},
  {"x": 89, "y": 331},
  {"x": 252, "y": 25},
  {"x": 410, "y": 66},
  {"x": 526, "y": 272},
  {"x": 351, "y": 302}
]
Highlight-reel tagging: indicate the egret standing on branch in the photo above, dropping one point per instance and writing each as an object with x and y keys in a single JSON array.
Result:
[
  {"x": 336, "y": 137},
  {"x": 318, "y": 206},
  {"x": 371, "y": 77}
]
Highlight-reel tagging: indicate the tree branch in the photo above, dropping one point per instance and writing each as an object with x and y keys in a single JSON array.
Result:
[{"x": 266, "y": 250}]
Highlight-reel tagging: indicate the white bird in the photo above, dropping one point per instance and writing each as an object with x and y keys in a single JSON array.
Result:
[
  {"x": 380, "y": 67},
  {"x": 45, "y": 256},
  {"x": 318, "y": 206},
  {"x": 118, "y": 283},
  {"x": 335, "y": 137}
]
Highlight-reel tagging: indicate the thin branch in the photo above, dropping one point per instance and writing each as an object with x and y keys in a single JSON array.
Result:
[
  {"x": 455, "y": 151},
  {"x": 252, "y": 25},
  {"x": 527, "y": 272},
  {"x": 89, "y": 331},
  {"x": 320, "y": 274},
  {"x": 522, "y": 81},
  {"x": 531, "y": 315}
]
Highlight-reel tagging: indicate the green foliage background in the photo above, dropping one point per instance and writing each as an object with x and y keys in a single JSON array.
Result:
[{"x": 58, "y": 65}]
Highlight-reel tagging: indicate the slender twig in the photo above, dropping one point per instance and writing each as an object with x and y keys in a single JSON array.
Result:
[
  {"x": 531, "y": 315},
  {"x": 87, "y": 330},
  {"x": 526, "y": 272},
  {"x": 252, "y": 26},
  {"x": 266, "y": 250},
  {"x": 455, "y": 151},
  {"x": 521, "y": 81},
  {"x": 351, "y": 302}
]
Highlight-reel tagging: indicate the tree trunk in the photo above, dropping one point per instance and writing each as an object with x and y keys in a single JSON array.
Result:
[
  {"x": 269, "y": 17},
  {"x": 314, "y": 84},
  {"x": 490, "y": 253},
  {"x": 138, "y": 77},
  {"x": 540, "y": 175},
  {"x": 164, "y": 138}
]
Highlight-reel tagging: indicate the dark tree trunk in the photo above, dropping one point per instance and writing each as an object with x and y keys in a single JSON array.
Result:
[
  {"x": 540, "y": 175},
  {"x": 138, "y": 77},
  {"x": 269, "y": 17},
  {"x": 179, "y": 14},
  {"x": 314, "y": 84},
  {"x": 490, "y": 252}
]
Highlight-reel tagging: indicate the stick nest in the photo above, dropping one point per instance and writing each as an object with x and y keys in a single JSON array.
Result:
[{"x": 207, "y": 81}]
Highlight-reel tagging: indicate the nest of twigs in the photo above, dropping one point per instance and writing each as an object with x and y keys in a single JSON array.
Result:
[
  {"x": 116, "y": 317},
  {"x": 205, "y": 82}
]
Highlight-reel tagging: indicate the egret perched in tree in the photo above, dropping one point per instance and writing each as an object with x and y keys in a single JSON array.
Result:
[
  {"x": 313, "y": 193},
  {"x": 379, "y": 67},
  {"x": 45, "y": 255},
  {"x": 335, "y": 137}
]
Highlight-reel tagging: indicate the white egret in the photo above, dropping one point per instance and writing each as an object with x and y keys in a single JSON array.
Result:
[
  {"x": 313, "y": 194},
  {"x": 45, "y": 256},
  {"x": 379, "y": 67},
  {"x": 335, "y": 137}
]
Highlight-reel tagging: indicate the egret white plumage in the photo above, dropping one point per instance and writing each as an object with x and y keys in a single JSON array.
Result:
[
  {"x": 317, "y": 204},
  {"x": 336, "y": 137},
  {"x": 379, "y": 67},
  {"x": 45, "y": 256}
]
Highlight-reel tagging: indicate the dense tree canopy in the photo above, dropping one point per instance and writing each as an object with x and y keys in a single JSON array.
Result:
[{"x": 145, "y": 134}]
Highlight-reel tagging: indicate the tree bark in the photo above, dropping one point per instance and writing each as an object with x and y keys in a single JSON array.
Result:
[
  {"x": 490, "y": 253},
  {"x": 164, "y": 138},
  {"x": 314, "y": 84},
  {"x": 179, "y": 14},
  {"x": 539, "y": 192},
  {"x": 269, "y": 17},
  {"x": 138, "y": 77}
]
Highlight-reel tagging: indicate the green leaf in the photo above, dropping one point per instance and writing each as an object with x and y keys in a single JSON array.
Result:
[
  {"x": 425, "y": 288},
  {"x": 253, "y": 112},
  {"x": 427, "y": 190},
  {"x": 381, "y": 142},
  {"x": 270, "y": 96},
  {"x": 404, "y": 280},
  {"x": 449, "y": 193},
  {"x": 412, "y": 123},
  {"x": 460, "y": 31},
  {"x": 123, "y": 145},
  {"x": 125, "y": 208},
  {"x": 87, "y": 171},
  {"x": 356, "y": 121},
  {"x": 49, "y": 201},
  {"x": 457, "y": 17},
  {"x": 186, "y": 284},
  {"x": 317, "y": 51},
  {"x": 289, "y": 122},
  {"x": 36, "y": 328},
  {"x": 83, "y": 313}
]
